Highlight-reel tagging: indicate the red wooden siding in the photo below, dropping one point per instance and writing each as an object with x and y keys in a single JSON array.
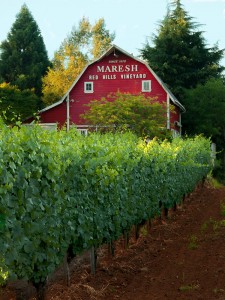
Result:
[
  {"x": 115, "y": 71},
  {"x": 56, "y": 114},
  {"x": 107, "y": 82}
]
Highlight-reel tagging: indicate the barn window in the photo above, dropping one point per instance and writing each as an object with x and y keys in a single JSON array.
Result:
[
  {"x": 83, "y": 131},
  {"x": 146, "y": 86},
  {"x": 88, "y": 87}
]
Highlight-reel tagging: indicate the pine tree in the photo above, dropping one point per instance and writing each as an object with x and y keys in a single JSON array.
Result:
[
  {"x": 23, "y": 58},
  {"x": 179, "y": 54}
]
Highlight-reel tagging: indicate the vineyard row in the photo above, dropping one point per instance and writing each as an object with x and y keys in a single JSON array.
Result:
[{"x": 61, "y": 191}]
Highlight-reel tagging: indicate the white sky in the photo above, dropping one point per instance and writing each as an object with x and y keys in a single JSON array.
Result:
[{"x": 132, "y": 21}]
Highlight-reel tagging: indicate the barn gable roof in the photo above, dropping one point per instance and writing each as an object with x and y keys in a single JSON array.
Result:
[{"x": 112, "y": 49}]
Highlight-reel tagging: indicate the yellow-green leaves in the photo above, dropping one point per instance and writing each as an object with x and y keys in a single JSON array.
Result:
[{"x": 61, "y": 190}]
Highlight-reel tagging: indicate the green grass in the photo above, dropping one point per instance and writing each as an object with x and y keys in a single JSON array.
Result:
[
  {"x": 222, "y": 208},
  {"x": 214, "y": 182},
  {"x": 193, "y": 243},
  {"x": 144, "y": 231},
  {"x": 3, "y": 276},
  {"x": 218, "y": 291},
  {"x": 3, "y": 273},
  {"x": 204, "y": 227},
  {"x": 190, "y": 287}
]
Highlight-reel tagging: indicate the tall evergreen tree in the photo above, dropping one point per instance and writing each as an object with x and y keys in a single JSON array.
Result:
[
  {"x": 179, "y": 53},
  {"x": 23, "y": 56}
]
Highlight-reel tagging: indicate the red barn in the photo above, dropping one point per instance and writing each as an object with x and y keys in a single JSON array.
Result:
[{"x": 115, "y": 71}]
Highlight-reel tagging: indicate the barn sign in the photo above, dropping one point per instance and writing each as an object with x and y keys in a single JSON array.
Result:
[{"x": 115, "y": 71}]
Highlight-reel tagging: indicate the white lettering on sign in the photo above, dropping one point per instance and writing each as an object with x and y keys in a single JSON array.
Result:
[
  {"x": 113, "y": 76},
  {"x": 134, "y": 68},
  {"x": 114, "y": 69},
  {"x": 132, "y": 76},
  {"x": 93, "y": 77},
  {"x": 100, "y": 68},
  {"x": 127, "y": 71},
  {"x": 115, "y": 61},
  {"x": 122, "y": 76},
  {"x": 117, "y": 68}
]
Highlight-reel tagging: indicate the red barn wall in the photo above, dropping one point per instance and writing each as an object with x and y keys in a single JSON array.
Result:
[
  {"x": 56, "y": 114},
  {"x": 106, "y": 80},
  {"x": 111, "y": 74}
]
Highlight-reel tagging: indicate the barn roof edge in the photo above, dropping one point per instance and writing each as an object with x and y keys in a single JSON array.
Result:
[{"x": 109, "y": 51}]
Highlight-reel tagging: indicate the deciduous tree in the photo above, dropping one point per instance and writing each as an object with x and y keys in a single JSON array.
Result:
[
  {"x": 67, "y": 64},
  {"x": 83, "y": 44},
  {"x": 142, "y": 115}
]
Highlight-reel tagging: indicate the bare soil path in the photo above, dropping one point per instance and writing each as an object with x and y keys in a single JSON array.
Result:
[{"x": 183, "y": 257}]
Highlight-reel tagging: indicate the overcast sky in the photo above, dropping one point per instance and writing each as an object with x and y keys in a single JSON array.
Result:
[{"x": 132, "y": 21}]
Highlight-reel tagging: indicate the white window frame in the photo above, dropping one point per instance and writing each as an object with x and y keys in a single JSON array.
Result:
[
  {"x": 144, "y": 88},
  {"x": 175, "y": 133},
  {"x": 88, "y": 84},
  {"x": 83, "y": 131}
]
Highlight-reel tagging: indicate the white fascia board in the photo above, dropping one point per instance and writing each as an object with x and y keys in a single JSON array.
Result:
[
  {"x": 164, "y": 86},
  {"x": 74, "y": 83},
  {"x": 109, "y": 51},
  {"x": 51, "y": 106},
  {"x": 172, "y": 97}
]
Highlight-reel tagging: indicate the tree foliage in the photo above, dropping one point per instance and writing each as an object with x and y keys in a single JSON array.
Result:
[
  {"x": 83, "y": 44},
  {"x": 205, "y": 115},
  {"x": 63, "y": 191},
  {"x": 23, "y": 58},
  {"x": 206, "y": 109},
  {"x": 142, "y": 115},
  {"x": 101, "y": 38},
  {"x": 67, "y": 64},
  {"x": 179, "y": 54},
  {"x": 15, "y": 103}
]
